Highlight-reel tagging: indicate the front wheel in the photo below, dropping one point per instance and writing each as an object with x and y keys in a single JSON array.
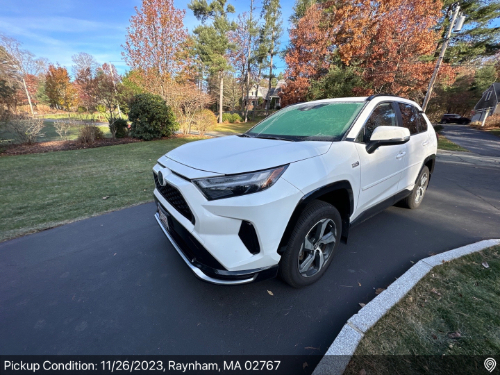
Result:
[
  {"x": 312, "y": 245},
  {"x": 417, "y": 195}
]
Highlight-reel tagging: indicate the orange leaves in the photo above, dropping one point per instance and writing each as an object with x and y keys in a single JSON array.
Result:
[{"x": 385, "y": 39}]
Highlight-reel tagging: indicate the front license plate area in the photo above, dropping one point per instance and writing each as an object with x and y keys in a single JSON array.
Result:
[{"x": 164, "y": 217}]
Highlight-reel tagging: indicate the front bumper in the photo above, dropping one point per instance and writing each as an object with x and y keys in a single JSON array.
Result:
[{"x": 198, "y": 259}]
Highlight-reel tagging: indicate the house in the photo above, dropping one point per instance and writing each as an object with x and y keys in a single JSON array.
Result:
[
  {"x": 260, "y": 92},
  {"x": 489, "y": 103}
]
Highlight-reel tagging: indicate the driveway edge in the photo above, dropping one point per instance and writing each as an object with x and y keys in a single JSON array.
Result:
[{"x": 339, "y": 354}]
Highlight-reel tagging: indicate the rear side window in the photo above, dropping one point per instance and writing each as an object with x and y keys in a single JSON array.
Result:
[
  {"x": 409, "y": 116},
  {"x": 422, "y": 124},
  {"x": 382, "y": 115}
]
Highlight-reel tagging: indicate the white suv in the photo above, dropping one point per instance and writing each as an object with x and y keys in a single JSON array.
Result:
[{"x": 279, "y": 198}]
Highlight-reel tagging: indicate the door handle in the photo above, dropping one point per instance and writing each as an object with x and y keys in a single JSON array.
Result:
[
  {"x": 425, "y": 143},
  {"x": 400, "y": 155}
]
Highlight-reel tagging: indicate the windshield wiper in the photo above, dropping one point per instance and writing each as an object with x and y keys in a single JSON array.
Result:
[
  {"x": 277, "y": 138},
  {"x": 245, "y": 135}
]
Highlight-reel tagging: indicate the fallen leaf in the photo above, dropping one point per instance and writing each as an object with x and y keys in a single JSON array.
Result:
[
  {"x": 114, "y": 254},
  {"x": 454, "y": 335},
  {"x": 433, "y": 290},
  {"x": 270, "y": 293},
  {"x": 305, "y": 365},
  {"x": 379, "y": 290},
  {"x": 311, "y": 347},
  {"x": 359, "y": 283},
  {"x": 485, "y": 265},
  {"x": 362, "y": 304},
  {"x": 412, "y": 262},
  {"x": 362, "y": 372},
  {"x": 105, "y": 197},
  {"x": 434, "y": 337}
]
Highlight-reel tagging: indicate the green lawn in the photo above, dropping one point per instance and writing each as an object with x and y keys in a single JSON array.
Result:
[
  {"x": 50, "y": 134},
  {"x": 453, "y": 312},
  {"x": 39, "y": 191},
  {"x": 235, "y": 128},
  {"x": 446, "y": 144}
]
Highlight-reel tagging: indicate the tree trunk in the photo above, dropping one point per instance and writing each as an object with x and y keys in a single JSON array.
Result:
[
  {"x": 28, "y": 96},
  {"x": 247, "y": 81},
  {"x": 271, "y": 53},
  {"x": 221, "y": 96}
]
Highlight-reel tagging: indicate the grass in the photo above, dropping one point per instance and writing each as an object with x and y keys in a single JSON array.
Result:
[
  {"x": 446, "y": 144},
  {"x": 39, "y": 191},
  {"x": 49, "y": 133},
  {"x": 453, "y": 312},
  {"x": 495, "y": 131},
  {"x": 235, "y": 128}
]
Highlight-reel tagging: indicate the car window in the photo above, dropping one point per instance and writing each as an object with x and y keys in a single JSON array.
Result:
[
  {"x": 422, "y": 124},
  {"x": 382, "y": 115},
  {"x": 409, "y": 116}
]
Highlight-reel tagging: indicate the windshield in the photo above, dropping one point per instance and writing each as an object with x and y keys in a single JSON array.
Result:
[{"x": 309, "y": 122}]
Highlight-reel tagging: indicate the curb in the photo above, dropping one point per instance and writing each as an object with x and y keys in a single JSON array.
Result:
[{"x": 339, "y": 354}]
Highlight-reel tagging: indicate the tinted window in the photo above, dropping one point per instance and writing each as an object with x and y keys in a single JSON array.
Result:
[
  {"x": 422, "y": 124},
  {"x": 382, "y": 115},
  {"x": 409, "y": 116}
]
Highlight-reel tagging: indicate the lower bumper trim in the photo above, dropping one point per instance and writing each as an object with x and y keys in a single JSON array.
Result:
[{"x": 240, "y": 277}]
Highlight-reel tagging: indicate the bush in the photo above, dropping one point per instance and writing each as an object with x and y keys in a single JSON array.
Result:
[
  {"x": 231, "y": 117},
  {"x": 25, "y": 130},
  {"x": 89, "y": 134},
  {"x": 438, "y": 128},
  {"x": 118, "y": 128},
  {"x": 63, "y": 127},
  {"x": 151, "y": 117},
  {"x": 204, "y": 121}
]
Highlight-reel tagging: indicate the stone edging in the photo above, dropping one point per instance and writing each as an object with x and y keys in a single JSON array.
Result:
[{"x": 339, "y": 354}]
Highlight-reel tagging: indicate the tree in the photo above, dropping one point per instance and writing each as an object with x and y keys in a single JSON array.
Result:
[
  {"x": 340, "y": 81},
  {"x": 151, "y": 117},
  {"x": 299, "y": 10},
  {"x": 9, "y": 79},
  {"x": 58, "y": 87},
  {"x": 245, "y": 38},
  {"x": 385, "y": 40},
  {"x": 480, "y": 35},
  {"x": 270, "y": 33},
  {"x": 155, "y": 46},
  {"x": 24, "y": 63},
  {"x": 85, "y": 69},
  {"x": 212, "y": 42}
]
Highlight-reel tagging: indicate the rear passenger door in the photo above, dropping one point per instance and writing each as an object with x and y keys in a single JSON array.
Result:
[{"x": 417, "y": 147}]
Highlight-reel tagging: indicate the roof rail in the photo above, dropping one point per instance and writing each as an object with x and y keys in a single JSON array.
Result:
[{"x": 374, "y": 96}]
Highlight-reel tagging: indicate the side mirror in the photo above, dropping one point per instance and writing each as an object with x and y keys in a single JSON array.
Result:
[{"x": 387, "y": 136}]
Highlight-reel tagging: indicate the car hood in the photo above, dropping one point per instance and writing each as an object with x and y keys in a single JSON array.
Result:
[{"x": 234, "y": 154}]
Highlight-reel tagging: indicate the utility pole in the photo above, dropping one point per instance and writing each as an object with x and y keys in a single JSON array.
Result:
[{"x": 456, "y": 28}]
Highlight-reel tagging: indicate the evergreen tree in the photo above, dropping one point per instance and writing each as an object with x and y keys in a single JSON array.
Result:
[
  {"x": 299, "y": 9},
  {"x": 270, "y": 34},
  {"x": 479, "y": 36},
  {"x": 212, "y": 43}
]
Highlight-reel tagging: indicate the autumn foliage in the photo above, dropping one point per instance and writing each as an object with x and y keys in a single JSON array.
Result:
[{"x": 385, "y": 40}]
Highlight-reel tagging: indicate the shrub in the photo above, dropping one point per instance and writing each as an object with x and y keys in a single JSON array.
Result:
[
  {"x": 438, "y": 128},
  {"x": 118, "y": 128},
  {"x": 89, "y": 134},
  {"x": 62, "y": 127},
  {"x": 204, "y": 121},
  {"x": 226, "y": 117},
  {"x": 235, "y": 118},
  {"x": 151, "y": 117},
  {"x": 25, "y": 130}
]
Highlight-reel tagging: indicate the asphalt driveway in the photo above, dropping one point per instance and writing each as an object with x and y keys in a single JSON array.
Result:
[
  {"x": 114, "y": 285},
  {"x": 477, "y": 141}
]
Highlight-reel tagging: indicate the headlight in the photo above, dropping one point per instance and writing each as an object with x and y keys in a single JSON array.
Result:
[{"x": 238, "y": 184}]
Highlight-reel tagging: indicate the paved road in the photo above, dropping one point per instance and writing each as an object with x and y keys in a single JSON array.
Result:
[
  {"x": 476, "y": 141},
  {"x": 113, "y": 284}
]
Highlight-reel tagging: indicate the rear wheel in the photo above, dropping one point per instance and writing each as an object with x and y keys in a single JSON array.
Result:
[
  {"x": 414, "y": 200},
  {"x": 312, "y": 245}
]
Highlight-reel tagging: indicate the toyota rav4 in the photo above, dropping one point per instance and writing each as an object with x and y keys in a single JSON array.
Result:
[{"x": 279, "y": 198}]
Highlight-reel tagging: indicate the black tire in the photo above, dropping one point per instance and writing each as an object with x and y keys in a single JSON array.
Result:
[
  {"x": 414, "y": 200},
  {"x": 317, "y": 213}
]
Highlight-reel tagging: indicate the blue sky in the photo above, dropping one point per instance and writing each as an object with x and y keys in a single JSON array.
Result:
[{"x": 58, "y": 29}]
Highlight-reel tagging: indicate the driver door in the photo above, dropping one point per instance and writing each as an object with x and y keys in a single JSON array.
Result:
[{"x": 381, "y": 170}]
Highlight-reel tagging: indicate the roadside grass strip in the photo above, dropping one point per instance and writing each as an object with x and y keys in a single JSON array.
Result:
[
  {"x": 445, "y": 144},
  {"x": 40, "y": 191},
  {"x": 445, "y": 306}
]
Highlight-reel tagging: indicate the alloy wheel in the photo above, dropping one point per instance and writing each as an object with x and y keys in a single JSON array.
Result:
[{"x": 422, "y": 186}]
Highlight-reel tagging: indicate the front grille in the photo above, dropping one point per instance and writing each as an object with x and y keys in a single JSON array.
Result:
[{"x": 175, "y": 198}]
